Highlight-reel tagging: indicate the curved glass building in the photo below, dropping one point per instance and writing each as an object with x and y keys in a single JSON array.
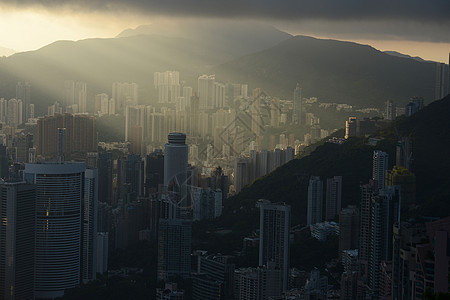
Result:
[{"x": 58, "y": 225}]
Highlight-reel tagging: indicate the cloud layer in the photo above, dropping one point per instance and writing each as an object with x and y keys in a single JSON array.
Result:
[{"x": 435, "y": 11}]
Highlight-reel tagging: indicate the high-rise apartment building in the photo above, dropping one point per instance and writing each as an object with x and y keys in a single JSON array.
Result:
[
  {"x": 124, "y": 94},
  {"x": 14, "y": 115},
  {"x": 389, "y": 110},
  {"x": 297, "y": 112},
  {"x": 406, "y": 236},
  {"x": 218, "y": 268},
  {"x": 23, "y": 92},
  {"x": 75, "y": 96},
  {"x": 174, "y": 248},
  {"x": 379, "y": 167},
  {"x": 206, "y": 92},
  {"x": 81, "y": 96},
  {"x": 274, "y": 227},
  {"x": 441, "y": 82},
  {"x": 257, "y": 283},
  {"x": 333, "y": 197},
  {"x": 89, "y": 226},
  {"x": 367, "y": 192},
  {"x": 80, "y": 135},
  {"x": 219, "y": 95},
  {"x": 17, "y": 240},
  {"x": 257, "y": 125},
  {"x": 187, "y": 94},
  {"x": 168, "y": 86},
  {"x": 315, "y": 200},
  {"x": 59, "y": 205},
  {"x": 105, "y": 177},
  {"x": 384, "y": 213},
  {"x": 275, "y": 113},
  {"x": 348, "y": 229}
]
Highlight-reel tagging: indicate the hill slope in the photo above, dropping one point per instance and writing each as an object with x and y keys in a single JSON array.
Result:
[
  {"x": 429, "y": 130},
  {"x": 334, "y": 71}
]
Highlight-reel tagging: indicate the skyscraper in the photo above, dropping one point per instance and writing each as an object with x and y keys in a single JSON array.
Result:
[
  {"x": 17, "y": 240},
  {"x": 206, "y": 92},
  {"x": 81, "y": 96},
  {"x": 384, "y": 212},
  {"x": 441, "y": 83},
  {"x": 256, "y": 113},
  {"x": 23, "y": 92},
  {"x": 367, "y": 192},
  {"x": 175, "y": 167},
  {"x": 105, "y": 175},
  {"x": 274, "y": 227},
  {"x": 81, "y": 135},
  {"x": 348, "y": 229},
  {"x": 297, "y": 113},
  {"x": 168, "y": 86},
  {"x": 58, "y": 225},
  {"x": 89, "y": 226},
  {"x": 333, "y": 197},
  {"x": 315, "y": 199},
  {"x": 174, "y": 248},
  {"x": 124, "y": 94},
  {"x": 379, "y": 167},
  {"x": 389, "y": 111}
]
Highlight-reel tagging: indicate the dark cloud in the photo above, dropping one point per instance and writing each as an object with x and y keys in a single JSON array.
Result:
[
  {"x": 407, "y": 10},
  {"x": 371, "y": 29}
]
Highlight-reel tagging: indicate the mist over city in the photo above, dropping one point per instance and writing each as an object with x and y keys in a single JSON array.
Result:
[{"x": 224, "y": 150}]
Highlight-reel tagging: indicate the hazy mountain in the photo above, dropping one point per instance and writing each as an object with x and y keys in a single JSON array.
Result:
[
  {"x": 398, "y": 54},
  {"x": 234, "y": 37},
  {"x": 6, "y": 51},
  {"x": 333, "y": 71},
  {"x": 132, "y": 57},
  {"x": 100, "y": 62}
]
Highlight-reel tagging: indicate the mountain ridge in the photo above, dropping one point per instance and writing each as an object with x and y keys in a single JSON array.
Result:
[{"x": 334, "y": 71}]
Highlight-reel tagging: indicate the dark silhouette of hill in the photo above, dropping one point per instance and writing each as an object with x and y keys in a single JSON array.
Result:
[{"x": 333, "y": 71}]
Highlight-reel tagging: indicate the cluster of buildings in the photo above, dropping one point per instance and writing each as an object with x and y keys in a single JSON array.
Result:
[
  {"x": 49, "y": 235},
  {"x": 384, "y": 256},
  {"x": 18, "y": 110}
]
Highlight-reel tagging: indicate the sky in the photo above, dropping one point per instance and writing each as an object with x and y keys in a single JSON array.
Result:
[{"x": 414, "y": 27}]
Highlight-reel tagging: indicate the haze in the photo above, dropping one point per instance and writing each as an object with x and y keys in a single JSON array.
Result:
[{"x": 416, "y": 28}]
